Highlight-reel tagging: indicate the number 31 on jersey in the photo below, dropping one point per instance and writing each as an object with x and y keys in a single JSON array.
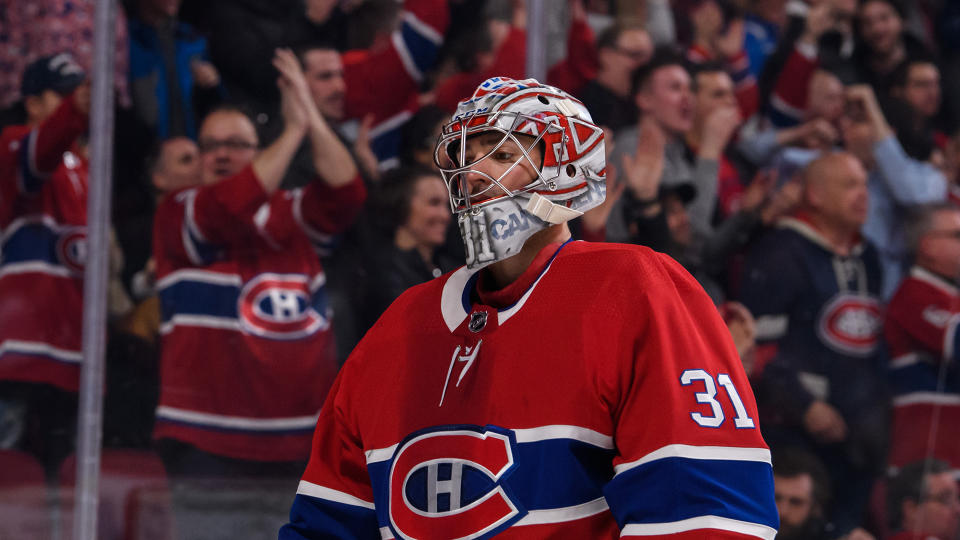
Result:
[{"x": 709, "y": 397}]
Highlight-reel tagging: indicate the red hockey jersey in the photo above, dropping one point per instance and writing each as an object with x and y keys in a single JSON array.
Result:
[
  {"x": 42, "y": 250},
  {"x": 921, "y": 331},
  {"x": 247, "y": 348},
  {"x": 599, "y": 395}
]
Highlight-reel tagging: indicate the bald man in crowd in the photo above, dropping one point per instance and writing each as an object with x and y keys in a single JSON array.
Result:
[{"x": 814, "y": 285}]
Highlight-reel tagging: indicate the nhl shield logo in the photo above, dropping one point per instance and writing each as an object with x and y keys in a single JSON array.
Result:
[
  {"x": 478, "y": 320},
  {"x": 449, "y": 483},
  {"x": 281, "y": 306},
  {"x": 72, "y": 249}
]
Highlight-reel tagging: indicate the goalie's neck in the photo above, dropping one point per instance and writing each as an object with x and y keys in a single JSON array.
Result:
[{"x": 502, "y": 273}]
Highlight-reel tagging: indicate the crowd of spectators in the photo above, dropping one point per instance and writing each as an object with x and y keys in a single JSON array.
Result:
[{"x": 276, "y": 189}]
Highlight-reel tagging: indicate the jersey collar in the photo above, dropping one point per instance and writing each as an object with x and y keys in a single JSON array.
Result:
[
  {"x": 456, "y": 302},
  {"x": 803, "y": 225}
]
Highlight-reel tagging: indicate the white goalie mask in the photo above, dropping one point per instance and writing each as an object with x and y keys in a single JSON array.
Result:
[{"x": 494, "y": 220}]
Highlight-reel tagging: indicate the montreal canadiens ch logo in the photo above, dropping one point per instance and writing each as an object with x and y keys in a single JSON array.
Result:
[
  {"x": 851, "y": 324},
  {"x": 449, "y": 484},
  {"x": 279, "y": 306},
  {"x": 72, "y": 250}
]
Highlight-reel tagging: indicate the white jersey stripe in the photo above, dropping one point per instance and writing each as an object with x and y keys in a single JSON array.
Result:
[
  {"x": 385, "y": 533},
  {"x": 783, "y": 107},
  {"x": 316, "y": 236},
  {"x": 928, "y": 398},
  {"x": 381, "y": 454},
  {"x": 37, "y": 347},
  {"x": 422, "y": 28},
  {"x": 905, "y": 360},
  {"x": 200, "y": 321},
  {"x": 37, "y": 267},
  {"x": 405, "y": 57},
  {"x": 203, "y": 276},
  {"x": 390, "y": 124},
  {"x": 700, "y": 522},
  {"x": 772, "y": 326},
  {"x": 561, "y": 515},
  {"x": 236, "y": 422},
  {"x": 30, "y": 219},
  {"x": 528, "y": 435},
  {"x": 725, "y": 453},
  {"x": 948, "y": 337},
  {"x": 578, "y": 433},
  {"x": 313, "y": 490}
]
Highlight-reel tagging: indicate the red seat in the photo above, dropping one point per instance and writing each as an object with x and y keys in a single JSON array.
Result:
[
  {"x": 24, "y": 508},
  {"x": 124, "y": 476}
]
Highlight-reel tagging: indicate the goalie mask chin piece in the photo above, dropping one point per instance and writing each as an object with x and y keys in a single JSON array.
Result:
[{"x": 568, "y": 179}]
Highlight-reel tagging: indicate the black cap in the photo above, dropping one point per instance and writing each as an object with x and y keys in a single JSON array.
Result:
[{"x": 58, "y": 72}]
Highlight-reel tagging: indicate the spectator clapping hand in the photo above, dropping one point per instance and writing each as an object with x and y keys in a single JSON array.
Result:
[
  {"x": 297, "y": 105},
  {"x": 718, "y": 129},
  {"x": 366, "y": 159},
  {"x": 642, "y": 171},
  {"x": 331, "y": 159},
  {"x": 595, "y": 219}
]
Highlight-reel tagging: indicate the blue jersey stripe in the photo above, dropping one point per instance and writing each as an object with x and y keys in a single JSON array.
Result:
[
  {"x": 386, "y": 145},
  {"x": 422, "y": 50},
  {"x": 557, "y": 473},
  {"x": 34, "y": 242},
  {"x": 552, "y": 473},
  {"x": 674, "y": 489},
  {"x": 199, "y": 298},
  {"x": 780, "y": 118},
  {"x": 311, "y": 517},
  {"x": 922, "y": 377}
]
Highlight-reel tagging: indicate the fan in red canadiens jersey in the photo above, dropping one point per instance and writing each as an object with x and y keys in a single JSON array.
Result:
[
  {"x": 247, "y": 347},
  {"x": 921, "y": 331},
  {"x": 548, "y": 387},
  {"x": 43, "y": 218}
]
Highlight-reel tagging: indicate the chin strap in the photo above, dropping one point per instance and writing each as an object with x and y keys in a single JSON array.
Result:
[{"x": 552, "y": 213}]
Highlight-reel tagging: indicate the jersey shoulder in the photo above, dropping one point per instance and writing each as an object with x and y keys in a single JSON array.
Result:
[
  {"x": 633, "y": 266},
  {"x": 915, "y": 290}
]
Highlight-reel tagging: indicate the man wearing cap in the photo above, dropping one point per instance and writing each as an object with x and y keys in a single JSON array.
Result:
[{"x": 42, "y": 253}]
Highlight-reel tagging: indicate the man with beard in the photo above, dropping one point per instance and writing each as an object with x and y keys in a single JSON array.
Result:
[{"x": 801, "y": 489}]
